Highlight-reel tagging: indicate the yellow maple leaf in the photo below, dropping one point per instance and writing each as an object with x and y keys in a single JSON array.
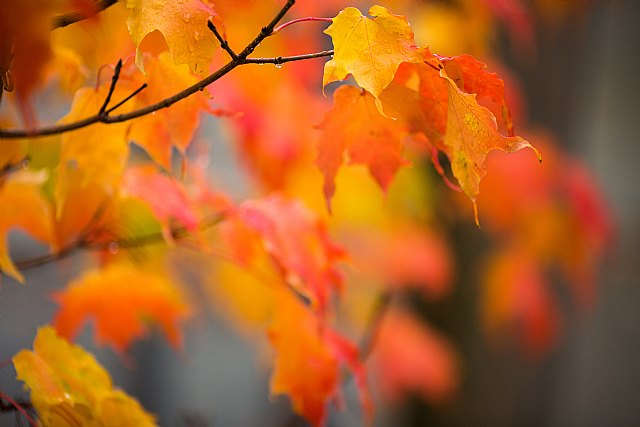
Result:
[
  {"x": 70, "y": 388},
  {"x": 472, "y": 133},
  {"x": 370, "y": 49},
  {"x": 99, "y": 152},
  {"x": 183, "y": 25}
]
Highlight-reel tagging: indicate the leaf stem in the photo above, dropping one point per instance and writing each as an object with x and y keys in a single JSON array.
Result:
[{"x": 295, "y": 21}]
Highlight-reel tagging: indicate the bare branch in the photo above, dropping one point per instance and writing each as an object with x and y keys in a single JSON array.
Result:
[
  {"x": 223, "y": 43},
  {"x": 284, "y": 59},
  {"x": 240, "y": 59},
  {"x": 134, "y": 93},
  {"x": 83, "y": 241},
  {"x": 114, "y": 82},
  {"x": 71, "y": 18},
  {"x": 7, "y": 404}
]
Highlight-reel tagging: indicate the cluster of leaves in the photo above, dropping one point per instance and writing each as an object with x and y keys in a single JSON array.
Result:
[{"x": 278, "y": 257}]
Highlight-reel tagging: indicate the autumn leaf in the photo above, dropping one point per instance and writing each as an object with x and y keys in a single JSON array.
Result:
[
  {"x": 369, "y": 48},
  {"x": 472, "y": 133},
  {"x": 99, "y": 152},
  {"x": 517, "y": 299},
  {"x": 183, "y": 25},
  {"x": 410, "y": 356},
  {"x": 166, "y": 197},
  {"x": 405, "y": 256},
  {"x": 70, "y": 388},
  {"x": 355, "y": 126},
  {"x": 299, "y": 243},
  {"x": 121, "y": 299},
  {"x": 472, "y": 76},
  {"x": 160, "y": 132},
  {"x": 308, "y": 360},
  {"x": 23, "y": 206}
]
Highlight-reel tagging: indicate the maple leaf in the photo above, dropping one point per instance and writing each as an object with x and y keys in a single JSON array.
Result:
[
  {"x": 354, "y": 125},
  {"x": 70, "y": 388},
  {"x": 299, "y": 242},
  {"x": 472, "y": 76},
  {"x": 404, "y": 256},
  {"x": 308, "y": 358},
  {"x": 183, "y": 25},
  {"x": 411, "y": 357},
  {"x": 165, "y": 196},
  {"x": 120, "y": 298},
  {"x": 472, "y": 133},
  {"x": 99, "y": 152},
  {"x": 370, "y": 49},
  {"x": 159, "y": 132},
  {"x": 23, "y": 206},
  {"x": 516, "y": 294}
]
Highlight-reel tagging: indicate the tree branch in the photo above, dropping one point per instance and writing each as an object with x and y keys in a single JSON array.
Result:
[
  {"x": 240, "y": 59},
  {"x": 71, "y": 18},
  {"x": 283, "y": 59},
  {"x": 223, "y": 43},
  {"x": 83, "y": 242},
  {"x": 8, "y": 404},
  {"x": 12, "y": 167}
]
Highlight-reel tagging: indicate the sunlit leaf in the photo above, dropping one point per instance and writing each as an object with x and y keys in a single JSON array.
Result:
[{"x": 70, "y": 388}]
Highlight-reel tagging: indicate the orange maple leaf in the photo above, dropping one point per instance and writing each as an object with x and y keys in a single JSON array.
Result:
[
  {"x": 159, "y": 132},
  {"x": 23, "y": 206},
  {"x": 309, "y": 355},
  {"x": 354, "y": 125},
  {"x": 121, "y": 298}
]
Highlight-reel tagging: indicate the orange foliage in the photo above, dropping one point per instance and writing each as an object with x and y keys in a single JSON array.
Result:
[{"x": 277, "y": 261}]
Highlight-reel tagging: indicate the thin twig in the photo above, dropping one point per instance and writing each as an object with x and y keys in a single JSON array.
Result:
[
  {"x": 82, "y": 242},
  {"x": 240, "y": 59},
  {"x": 12, "y": 167},
  {"x": 16, "y": 405},
  {"x": 295, "y": 21},
  {"x": 134, "y": 93},
  {"x": 223, "y": 43},
  {"x": 71, "y": 18},
  {"x": 283, "y": 59},
  {"x": 114, "y": 82}
]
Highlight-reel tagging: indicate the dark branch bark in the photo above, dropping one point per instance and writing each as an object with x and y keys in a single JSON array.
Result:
[
  {"x": 239, "y": 59},
  {"x": 71, "y": 18}
]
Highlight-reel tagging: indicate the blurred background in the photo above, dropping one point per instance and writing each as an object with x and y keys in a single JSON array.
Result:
[{"x": 579, "y": 76}]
